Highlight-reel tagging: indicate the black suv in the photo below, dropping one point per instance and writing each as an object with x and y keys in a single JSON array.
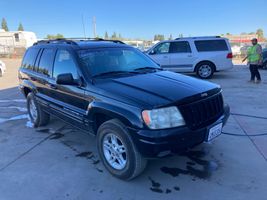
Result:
[{"x": 136, "y": 109}]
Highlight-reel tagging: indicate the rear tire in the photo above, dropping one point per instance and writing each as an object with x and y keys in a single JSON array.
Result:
[
  {"x": 264, "y": 66},
  {"x": 205, "y": 70},
  {"x": 1, "y": 73},
  {"x": 37, "y": 116},
  {"x": 118, "y": 152}
]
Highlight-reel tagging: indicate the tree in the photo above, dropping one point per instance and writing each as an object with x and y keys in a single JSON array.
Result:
[
  {"x": 20, "y": 28},
  {"x": 114, "y": 36},
  {"x": 158, "y": 37},
  {"x": 4, "y": 24},
  {"x": 106, "y": 35},
  {"x": 170, "y": 38},
  {"x": 259, "y": 33},
  {"x": 57, "y": 36}
]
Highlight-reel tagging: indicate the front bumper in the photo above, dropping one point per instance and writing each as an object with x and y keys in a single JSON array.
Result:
[{"x": 159, "y": 143}]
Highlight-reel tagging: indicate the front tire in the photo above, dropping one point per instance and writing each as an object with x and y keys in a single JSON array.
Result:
[
  {"x": 205, "y": 70},
  {"x": 37, "y": 116},
  {"x": 118, "y": 152}
]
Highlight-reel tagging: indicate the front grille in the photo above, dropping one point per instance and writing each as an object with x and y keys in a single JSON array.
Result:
[{"x": 204, "y": 112}]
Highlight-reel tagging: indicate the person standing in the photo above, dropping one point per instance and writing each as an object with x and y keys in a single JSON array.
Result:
[{"x": 254, "y": 57}]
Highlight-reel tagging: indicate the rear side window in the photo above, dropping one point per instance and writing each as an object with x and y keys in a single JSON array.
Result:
[
  {"x": 29, "y": 58},
  {"x": 46, "y": 62},
  {"x": 211, "y": 45},
  {"x": 180, "y": 47},
  {"x": 64, "y": 63}
]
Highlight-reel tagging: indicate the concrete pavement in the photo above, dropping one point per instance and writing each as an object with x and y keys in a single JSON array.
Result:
[{"x": 59, "y": 162}]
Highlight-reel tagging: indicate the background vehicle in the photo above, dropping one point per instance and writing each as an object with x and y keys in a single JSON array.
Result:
[
  {"x": 136, "y": 110},
  {"x": 264, "y": 58},
  {"x": 2, "y": 68},
  {"x": 203, "y": 55}
]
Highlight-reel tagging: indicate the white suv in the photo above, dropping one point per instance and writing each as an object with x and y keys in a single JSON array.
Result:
[
  {"x": 2, "y": 68},
  {"x": 203, "y": 55}
]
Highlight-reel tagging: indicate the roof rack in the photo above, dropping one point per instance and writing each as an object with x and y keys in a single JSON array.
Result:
[
  {"x": 74, "y": 41},
  {"x": 198, "y": 37},
  {"x": 56, "y": 41}
]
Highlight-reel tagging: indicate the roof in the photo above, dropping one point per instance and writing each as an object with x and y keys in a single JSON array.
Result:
[{"x": 82, "y": 43}]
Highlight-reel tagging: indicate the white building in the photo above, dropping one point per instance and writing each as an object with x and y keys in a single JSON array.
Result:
[{"x": 10, "y": 41}]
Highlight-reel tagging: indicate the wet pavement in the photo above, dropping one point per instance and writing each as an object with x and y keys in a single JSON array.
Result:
[{"x": 60, "y": 162}]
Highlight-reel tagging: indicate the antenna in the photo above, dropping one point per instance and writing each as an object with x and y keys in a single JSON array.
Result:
[
  {"x": 83, "y": 27},
  {"x": 94, "y": 26}
]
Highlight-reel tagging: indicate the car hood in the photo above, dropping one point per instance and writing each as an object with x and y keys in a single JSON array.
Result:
[{"x": 156, "y": 89}]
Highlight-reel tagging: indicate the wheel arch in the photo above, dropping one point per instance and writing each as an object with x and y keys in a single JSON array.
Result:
[
  {"x": 102, "y": 112},
  {"x": 203, "y": 61}
]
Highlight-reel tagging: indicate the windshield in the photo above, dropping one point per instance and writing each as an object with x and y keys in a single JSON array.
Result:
[{"x": 103, "y": 61}]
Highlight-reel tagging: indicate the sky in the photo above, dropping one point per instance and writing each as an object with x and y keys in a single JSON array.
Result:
[{"x": 136, "y": 18}]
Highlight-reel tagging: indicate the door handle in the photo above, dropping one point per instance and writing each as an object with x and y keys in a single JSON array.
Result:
[
  {"x": 189, "y": 56},
  {"x": 165, "y": 56}
]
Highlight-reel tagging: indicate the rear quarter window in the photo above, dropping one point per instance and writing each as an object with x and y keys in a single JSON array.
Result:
[
  {"x": 211, "y": 45},
  {"x": 29, "y": 58}
]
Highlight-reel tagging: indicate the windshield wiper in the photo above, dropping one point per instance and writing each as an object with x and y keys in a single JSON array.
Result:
[
  {"x": 148, "y": 68},
  {"x": 114, "y": 73}
]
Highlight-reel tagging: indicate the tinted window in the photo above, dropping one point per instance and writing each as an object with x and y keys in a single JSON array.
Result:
[
  {"x": 211, "y": 45},
  {"x": 29, "y": 58},
  {"x": 46, "y": 62},
  {"x": 162, "y": 48},
  {"x": 180, "y": 47},
  {"x": 64, "y": 63}
]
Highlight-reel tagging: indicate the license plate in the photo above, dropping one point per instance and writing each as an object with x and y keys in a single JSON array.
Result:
[{"x": 214, "y": 132}]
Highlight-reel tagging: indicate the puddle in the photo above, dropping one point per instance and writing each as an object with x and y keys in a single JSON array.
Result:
[
  {"x": 18, "y": 117},
  {"x": 21, "y": 109},
  {"x": 197, "y": 167},
  {"x": 56, "y": 136},
  {"x": 155, "y": 186},
  {"x": 85, "y": 154},
  {"x": 12, "y": 100}
]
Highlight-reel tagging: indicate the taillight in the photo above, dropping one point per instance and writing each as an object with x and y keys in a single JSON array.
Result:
[{"x": 229, "y": 55}]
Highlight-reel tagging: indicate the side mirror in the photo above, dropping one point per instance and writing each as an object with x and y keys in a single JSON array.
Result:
[{"x": 66, "y": 79}]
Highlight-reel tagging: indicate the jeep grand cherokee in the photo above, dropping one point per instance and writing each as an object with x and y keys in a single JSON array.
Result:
[{"x": 136, "y": 109}]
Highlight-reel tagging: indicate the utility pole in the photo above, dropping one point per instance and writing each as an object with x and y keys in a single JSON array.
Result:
[
  {"x": 84, "y": 34},
  {"x": 94, "y": 27}
]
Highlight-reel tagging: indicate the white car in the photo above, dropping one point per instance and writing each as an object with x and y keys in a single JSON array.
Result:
[
  {"x": 203, "y": 55},
  {"x": 2, "y": 68}
]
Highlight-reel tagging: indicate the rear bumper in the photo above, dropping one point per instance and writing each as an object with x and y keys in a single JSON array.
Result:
[{"x": 159, "y": 143}]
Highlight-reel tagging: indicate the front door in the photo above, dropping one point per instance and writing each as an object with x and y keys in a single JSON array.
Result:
[
  {"x": 70, "y": 101},
  {"x": 160, "y": 54}
]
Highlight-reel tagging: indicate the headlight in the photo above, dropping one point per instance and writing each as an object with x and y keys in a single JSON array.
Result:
[{"x": 163, "y": 118}]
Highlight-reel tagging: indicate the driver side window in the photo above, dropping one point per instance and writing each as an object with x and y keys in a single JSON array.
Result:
[
  {"x": 162, "y": 48},
  {"x": 64, "y": 63}
]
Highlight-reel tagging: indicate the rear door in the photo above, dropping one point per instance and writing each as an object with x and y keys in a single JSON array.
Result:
[
  {"x": 181, "y": 57},
  {"x": 160, "y": 54},
  {"x": 44, "y": 68}
]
